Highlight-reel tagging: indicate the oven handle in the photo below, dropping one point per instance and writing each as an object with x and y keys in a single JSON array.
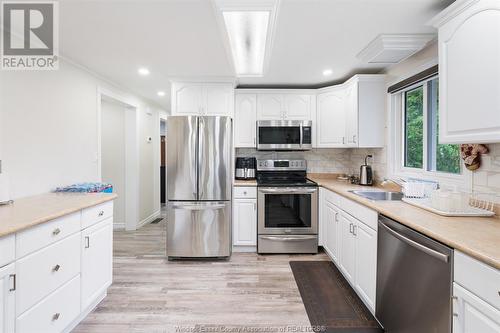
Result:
[
  {"x": 289, "y": 238},
  {"x": 287, "y": 190}
]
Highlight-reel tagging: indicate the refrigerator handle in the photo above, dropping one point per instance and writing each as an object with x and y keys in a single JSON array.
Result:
[{"x": 196, "y": 158}]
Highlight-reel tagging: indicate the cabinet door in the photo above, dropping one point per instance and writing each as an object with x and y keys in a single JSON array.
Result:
[
  {"x": 331, "y": 120},
  {"x": 366, "y": 263},
  {"x": 245, "y": 117},
  {"x": 351, "y": 111},
  {"x": 347, "y": 246},
  {"x": 218, "y": 100},
  {"x": 473, "y": 315},
  {"x": 97, "y": 260},
  {"x": 187, "y": 99},
  {"x": 469, "y": 74},
  {"x": 269, "y": 107},
  {"x": 7, "y": 299},
  {"x": 245, "y": 222},
  {"x": 332, "y": 231},
  {"x": 297, "y": 107}
]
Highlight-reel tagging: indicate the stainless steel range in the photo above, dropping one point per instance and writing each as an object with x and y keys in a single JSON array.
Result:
[{"x": 287, "y": 208}]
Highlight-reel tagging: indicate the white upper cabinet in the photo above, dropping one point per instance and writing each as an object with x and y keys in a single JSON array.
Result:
[
  {"x": 469, "y": 72},
  {"x": 352, "y": 114},
  {"x": 331, "y": 118},
  {"x": 204, "y": 99},
  {"x": 297, "y": 107},
  {"x": 270, "y": 107},
  {"x": 245, "y": 119},
  {"x": 284, "y": 106}
]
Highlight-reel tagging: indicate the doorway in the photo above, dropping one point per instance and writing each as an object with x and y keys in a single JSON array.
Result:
[{"x": 118, "y": 156}]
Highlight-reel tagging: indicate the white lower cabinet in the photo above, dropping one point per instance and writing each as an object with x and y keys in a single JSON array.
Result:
[
  {"x": 365, "y": 262},
  {"x": 55, "y": 312},
  {"x": 245, "y": 216},
  {"x": 351, "y": 242},
  {"x": 7, "y": 298},
  {"x": 97, "y": 260},
  {"x": 245, "y": 226},
  {"x": 473, "y": 315}
]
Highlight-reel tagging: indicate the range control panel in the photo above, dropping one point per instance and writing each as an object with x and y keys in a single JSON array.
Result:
[{"x": 281, "y": 165}]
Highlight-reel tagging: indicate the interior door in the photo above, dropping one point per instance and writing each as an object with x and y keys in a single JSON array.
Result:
[
  {"x": 199, "y": 229},
  {"x": 214, "y": 158},
  {"x": 182, "y": 147}
]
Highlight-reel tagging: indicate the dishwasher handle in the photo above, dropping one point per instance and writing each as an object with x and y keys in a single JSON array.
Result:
[{"x": 418, "y": 246}]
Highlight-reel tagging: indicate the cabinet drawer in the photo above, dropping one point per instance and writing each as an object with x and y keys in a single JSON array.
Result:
[
  {"x": 54, "y": 313},
  {"x": 44, "y": 234},
  {"x": 92, "y": 215},
  {"x": 359, "y": 211},
  {"x": 479, "y": 278},
  {"x": 44, "y": 271},
  {"x": 7, "y": 249},
  {"x": 241, "y": 192}
]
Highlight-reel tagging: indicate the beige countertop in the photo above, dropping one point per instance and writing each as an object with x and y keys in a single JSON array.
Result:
[
  {"x": 478, "y": 237},
  {"x": 28, "y": 212},
  {"x": 238, "y": 182}
]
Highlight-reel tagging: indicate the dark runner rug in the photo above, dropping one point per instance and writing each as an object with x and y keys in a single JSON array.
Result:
[
  {"x": 329, "y": 299},
  {"x": 158, "y": 220}
]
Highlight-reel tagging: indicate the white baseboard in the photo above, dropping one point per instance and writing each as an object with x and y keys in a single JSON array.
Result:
[
  {"x": 244, "y": 249},
  {"x": 149, "y": 219},
  {"x": 118, "y": 226}
]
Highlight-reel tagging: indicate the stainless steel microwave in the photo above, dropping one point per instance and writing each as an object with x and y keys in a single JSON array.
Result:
[{"x": 284, "y": 135}]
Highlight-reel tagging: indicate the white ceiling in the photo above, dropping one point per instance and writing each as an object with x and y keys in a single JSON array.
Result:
[{"x": 181, "y": 39}]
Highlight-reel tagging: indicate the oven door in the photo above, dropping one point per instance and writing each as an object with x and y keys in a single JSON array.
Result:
[
  {"x": 284, "y": 135},
  {"x": 287, "y": 210}
]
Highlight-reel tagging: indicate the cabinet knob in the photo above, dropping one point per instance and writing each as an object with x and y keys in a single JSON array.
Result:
[
  {"x": 56, "y": 268},
  {"x": 56, "y": 231},
  {"x": 245, "y": 192},
  {"x": 56, "y": 316},
  {"x": 101, "y": 213},
  {"x": 455, "y": 314}
]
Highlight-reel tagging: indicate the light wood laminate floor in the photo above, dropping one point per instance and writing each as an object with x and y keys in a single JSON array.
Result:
[{"x": 151, "y": 294}]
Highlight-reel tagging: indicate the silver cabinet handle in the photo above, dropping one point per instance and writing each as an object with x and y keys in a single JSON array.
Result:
[
  {"x": 425, "y": 249},
  {"x": 254, "y": 141},
  {"x": 101, "y": 213},
  {"x": 87, "y": 242},
  {"x": 343, "y": 140},
  {"x": 354, "y": 139},
  {"x": 56, "y": 268},
  {"x": 56, "y": 316},
  {"x": 56, "y": 232},
  {"x": 350, "y": 228},
  {"x": 336, "y": 217},
  {"x": 14, "y": 282},
  {"x": 354, "y": 227},
  {"x": 254, "y": 206}
]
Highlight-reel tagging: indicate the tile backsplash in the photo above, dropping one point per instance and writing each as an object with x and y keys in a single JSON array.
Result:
[
  {"x": 487, "y": 178},
  {"x": 322, "y": 160}
]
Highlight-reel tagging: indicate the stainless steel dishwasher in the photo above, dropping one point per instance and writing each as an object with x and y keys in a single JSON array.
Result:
[{"x": 414, "y": 281}]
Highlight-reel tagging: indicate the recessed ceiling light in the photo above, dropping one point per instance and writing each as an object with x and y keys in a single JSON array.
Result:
[
  {"x": 327, "y": 72},
  {"x": 161, "y": 93},
  {"x": 143, "y": 71}
]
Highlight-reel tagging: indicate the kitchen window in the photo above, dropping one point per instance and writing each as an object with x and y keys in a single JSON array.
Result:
[{"x": 416, "y": 148}]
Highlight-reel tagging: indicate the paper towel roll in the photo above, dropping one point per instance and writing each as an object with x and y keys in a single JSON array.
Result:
[{"x": 4, "y": 188}]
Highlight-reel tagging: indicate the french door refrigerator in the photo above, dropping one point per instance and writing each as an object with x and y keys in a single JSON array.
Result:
[{"x": 199, "y": 155}]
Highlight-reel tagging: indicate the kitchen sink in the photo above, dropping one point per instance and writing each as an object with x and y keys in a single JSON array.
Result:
[{"x": 379, "y": 195}]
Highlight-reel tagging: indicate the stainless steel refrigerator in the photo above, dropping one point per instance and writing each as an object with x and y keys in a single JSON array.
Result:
[{"x": 199, "y": 155}]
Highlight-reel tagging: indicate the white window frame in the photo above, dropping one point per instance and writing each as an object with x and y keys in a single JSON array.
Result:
[{"x": 396, "y": 144}]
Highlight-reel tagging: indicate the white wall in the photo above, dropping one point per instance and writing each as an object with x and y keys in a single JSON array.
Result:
[
  {"x": 113, "y": 154},
  {"x": 49, "y": 128}
]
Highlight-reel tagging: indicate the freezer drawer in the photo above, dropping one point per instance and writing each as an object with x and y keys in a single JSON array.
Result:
[{"x": 199, "y": 229}]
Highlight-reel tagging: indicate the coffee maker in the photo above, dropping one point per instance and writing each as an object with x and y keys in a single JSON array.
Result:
[{"x": 245, "y": 168}]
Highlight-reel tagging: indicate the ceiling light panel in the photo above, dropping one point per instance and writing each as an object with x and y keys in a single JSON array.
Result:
[{"x": 247, "y": 32}]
